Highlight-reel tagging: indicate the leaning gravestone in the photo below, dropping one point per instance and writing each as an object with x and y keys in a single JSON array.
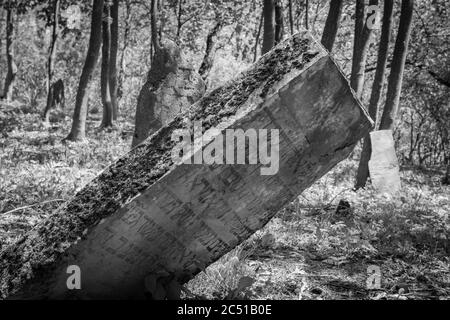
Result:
[{"x": 147, "y": 215}]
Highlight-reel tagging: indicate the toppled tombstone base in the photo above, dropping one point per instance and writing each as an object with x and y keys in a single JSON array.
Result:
[{"x": 147, "y": 215}]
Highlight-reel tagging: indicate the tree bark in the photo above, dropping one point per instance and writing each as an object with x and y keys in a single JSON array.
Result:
[
  {"x": 11, "y": 65},
  {"x": 154, "y": 26},
  {"x": 258, "y": 35},
  {"x": 269, "y": 26},
  {"x": 1, "y": 45},
  {"x": 53, "y": 44},
  {"x": 332, "y": 24},
  {"x": 107, "y": 119},
  {"x": 126, "y": 36},
  {"x": 398, "y": 66},
  {"x": 56, "y": 99},
  {"x": 307, "y": 14},
  {"x": 360, "y": 47},
  {"x": 78, "y": 131},
  {"x": 279, "y": 23},
  {"x": 291, "y": 17},
  {"x": 377, "y": 89},
  {"x": 208, "y": 58},
  {"x": 113, "y": 58},
  {"x": 51, "y": 59}
]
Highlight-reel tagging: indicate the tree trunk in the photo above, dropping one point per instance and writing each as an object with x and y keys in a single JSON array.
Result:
[
  {"x": 332, "y": 24},
  {"x": 11, "y": 65},
  {"x": 360, "y": 47},
  {"x": 279, "y": 23},
  {"x": 113, "y": 57},
  {"x": 1, "y": 46},
  {"x": 78, "y": 131},
  {"x": 51, "y": 59},
  {"x": 269, "y": 26},
  {"x": 108, "y": 113},
  {"x": 258, "y": 35},
  {"x": 53, "y": 44},
  {"x": 291, "y": 17},
  {"x": 154, "y": 26},
  {"x": 446, "y": 179},
  {"x": 307, "y": 14},
  {"x": 107, "y": 120},
  {"x": 208, "y": 58},
  {"x": 126, "y": 36},
  {"x": 377, "y": 89},
  {"x": 55, "y": 100},
  {"x": 397, "y": 66}
]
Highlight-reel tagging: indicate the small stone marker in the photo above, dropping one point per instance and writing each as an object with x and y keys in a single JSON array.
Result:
[{"x": 383, "y": 164}]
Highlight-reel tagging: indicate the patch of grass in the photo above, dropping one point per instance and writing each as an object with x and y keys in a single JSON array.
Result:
[
  {"x": 37, "y": 168},
  {"x": 320, "y": 254}
]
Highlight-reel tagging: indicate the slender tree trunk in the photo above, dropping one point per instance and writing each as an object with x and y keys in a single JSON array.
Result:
[
  {"x": 307, "y": 14},
  {"x": 179, "y": 15},
  {"x": 126, "y": 36},
  {"x": 51, "y": 59},
  {"x": 107, "y": 120},
  {"x": 53, "y": 44},
  {"x": 78, "y": 131},
  {"x": 258, "y": 35},
  {"x": 445, "y": 145},
  {"x": 398, "y": 66},
  {"x": 446, "y": 179},
  {"x": 1, "y": 44},
  {"x": 332, "y": 24},
  {"x": 11, "y": 65},
  {"x": 208, "y": 58},
  {"x": 291, "y": 17},
  {"x": 154, "y": 26},
  {"x": 360, "y": 48},
  {"x": 1, "y": 29},
  {"x": 377, "y": 89},
  {"x": 113, "y": 58},
  {"x": 279, "y": 23},
  {"x": 269, "y": 26}
]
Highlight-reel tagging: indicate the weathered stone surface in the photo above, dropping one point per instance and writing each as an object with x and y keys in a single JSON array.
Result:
[
  {"x": 177, "y": 93},
  {"x": 171, "y": 87},
  {"x": 383, "y": 165},
  {"x": 146, "y": 215}
]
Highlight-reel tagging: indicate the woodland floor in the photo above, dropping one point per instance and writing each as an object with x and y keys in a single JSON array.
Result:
[{"x": 308, "y": 251}]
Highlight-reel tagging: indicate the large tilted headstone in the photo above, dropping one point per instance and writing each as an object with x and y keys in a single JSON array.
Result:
[{"x": 147, "y": 215}]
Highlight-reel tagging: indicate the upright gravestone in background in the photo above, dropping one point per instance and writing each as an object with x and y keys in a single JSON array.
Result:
[
  {"x": 383, "y": 164},
  {"x": 145, "y": 215},
  {"x": 171, "y": 87}
]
